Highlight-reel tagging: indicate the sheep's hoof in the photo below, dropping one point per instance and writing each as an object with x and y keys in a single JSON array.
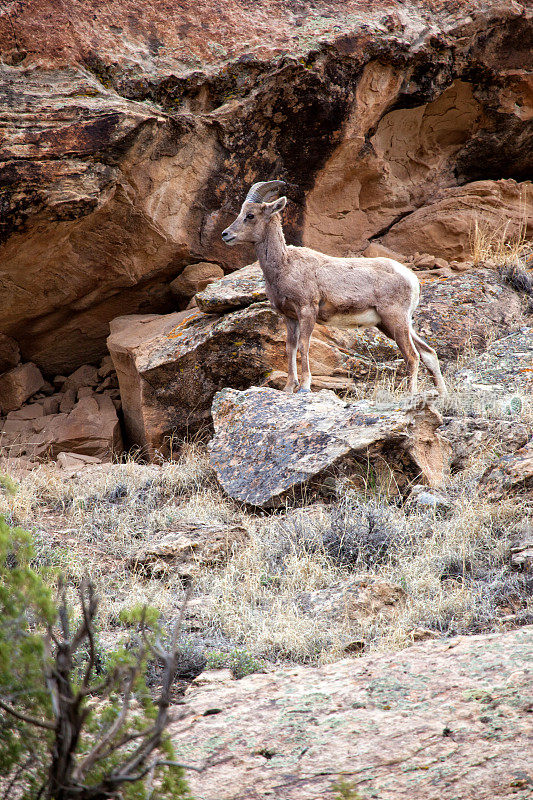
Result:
[{"x": 302, "y": 390}]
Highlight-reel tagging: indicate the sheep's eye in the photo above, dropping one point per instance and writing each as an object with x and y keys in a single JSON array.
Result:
[{"x": 249, "y": 216}]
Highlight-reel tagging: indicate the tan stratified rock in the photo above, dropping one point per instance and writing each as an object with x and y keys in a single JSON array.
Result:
[
  {"x": 189, "y": 549},
  {"x": 445, "y": 228},
  {"x": 135, "y": 138},
  {"x": 436, "y": 721},
  {"x": 270, "y": 446},
  {"x": 169, "y": 367},
  {"x": 17, "y": 385},
  {"x": 195, "y": 278}
]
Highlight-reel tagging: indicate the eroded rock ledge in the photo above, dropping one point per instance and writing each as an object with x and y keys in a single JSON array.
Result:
[{"x": 437, "y": 721}]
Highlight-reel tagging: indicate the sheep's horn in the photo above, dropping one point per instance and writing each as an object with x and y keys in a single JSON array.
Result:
[{"x": 264, "y": 191}]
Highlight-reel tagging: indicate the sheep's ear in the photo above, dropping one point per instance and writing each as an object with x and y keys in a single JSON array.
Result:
[{"x": 277, "y": 205}]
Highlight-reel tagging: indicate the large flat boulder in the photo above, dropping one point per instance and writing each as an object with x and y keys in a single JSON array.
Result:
[
  {"x": 170, "y": 367},
  {"x": 269, "y": 445},
  {"x": 440, "y": 720}
]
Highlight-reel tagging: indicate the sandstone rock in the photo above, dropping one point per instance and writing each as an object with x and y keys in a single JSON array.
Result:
[
  {"x": 521, "y": 556},
  {"x": 460, "y": 266},
  {"x": 85, "y": 375},
  {"x": 73, "y": 462},
  {"x": 286, "y": 444},
  {"x": 195, "y": 278},
  {"x": 169, "y": 367},
  {"x": 352, "y": 600},
  {"x": 106, "y": 367},
  {"x": 68, "y": 401},
  {"x": 240, "y": 289},
  {"x": 59, "y": 381},
  {"x": 51, "y": 405},
  {"x": 84, "y": 391},
  {"x": 17, "y": 385},
  {"x": 136, "y": 139},
  {"x": 31, "y": 411},
  {"x": 445, "y": 228},
  {"x": 467, "y": 311},
  {"x": 511, "y": 475},
  {"x": 189, "y": 549},
  {"x": 9, "y": 353},
  {"x": 423, "y": 634},
  {"x": 424, "y": 261},
  {"x": 91, "y": 428},
  {"x": 376, "y": 250},
  {"x": 473, "y": 436},
  {"x": 111, "y": 382},
  {"x": 408, "y": 725}
]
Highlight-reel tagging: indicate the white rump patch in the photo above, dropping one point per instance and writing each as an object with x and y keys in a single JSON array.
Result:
[{"x": 359, "y": 319}]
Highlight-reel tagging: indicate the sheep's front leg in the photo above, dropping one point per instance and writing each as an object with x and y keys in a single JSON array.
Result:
[
  {"x": 293, "y": 337},
  {"x": 307, "y": 319}
]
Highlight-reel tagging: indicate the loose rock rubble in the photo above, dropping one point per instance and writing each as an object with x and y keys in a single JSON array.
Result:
[{"x": 80, "y": 419}]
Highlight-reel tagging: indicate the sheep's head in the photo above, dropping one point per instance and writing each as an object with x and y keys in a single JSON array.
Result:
[{"x": 256, "y": 211}]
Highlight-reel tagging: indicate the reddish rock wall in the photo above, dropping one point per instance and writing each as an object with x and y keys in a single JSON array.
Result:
[{"x": 130, "y": 136}]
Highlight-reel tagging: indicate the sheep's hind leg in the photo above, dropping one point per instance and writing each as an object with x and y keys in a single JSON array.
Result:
[
  {"x": 430, "y": 359},
  {"x": 293, "y": 337},
  {"x": 399, "y": 330},
  {"x": 307, "y": 320}
]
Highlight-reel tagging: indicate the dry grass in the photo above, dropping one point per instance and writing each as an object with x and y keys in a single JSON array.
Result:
[
  {"x": 454, "y": 569},
  {"x": 492, "y": 243}
]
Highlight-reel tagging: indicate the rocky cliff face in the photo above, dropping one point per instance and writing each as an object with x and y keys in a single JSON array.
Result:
[{"x": 130, "y": 135}]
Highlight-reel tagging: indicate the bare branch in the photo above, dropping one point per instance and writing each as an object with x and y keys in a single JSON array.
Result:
[
  {"x": 91, "y": 758},
  {"x": 52, "y": 687},
  {"x": 126, "y": 739},
  {"x": 179, "y": 623},
  {"x": 90, "y": 637},
  {"x": 39, "y": 723},
  {"x": 63, "y": 610}
]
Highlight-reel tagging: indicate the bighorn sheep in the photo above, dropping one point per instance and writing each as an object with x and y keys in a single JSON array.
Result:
[{"x": 306, "y": 286}]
